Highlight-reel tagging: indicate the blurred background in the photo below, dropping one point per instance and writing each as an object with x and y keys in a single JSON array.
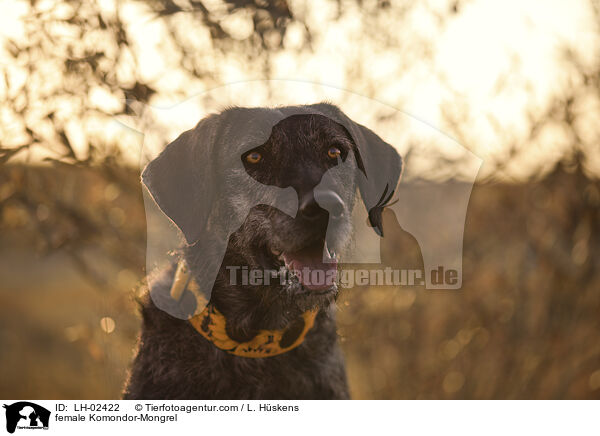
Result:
[{"x": 516, "y": 83}]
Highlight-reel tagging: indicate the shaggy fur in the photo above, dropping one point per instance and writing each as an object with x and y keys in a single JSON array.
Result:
[{"x": 174, "y": 361}]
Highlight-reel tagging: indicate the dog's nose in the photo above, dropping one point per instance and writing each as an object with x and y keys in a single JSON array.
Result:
[{"x": 320, "y": 204}]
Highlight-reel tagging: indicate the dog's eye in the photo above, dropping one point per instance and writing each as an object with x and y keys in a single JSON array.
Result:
[
  {"x": 334, "y": 152},
  {"x": 253, "y": 157}
]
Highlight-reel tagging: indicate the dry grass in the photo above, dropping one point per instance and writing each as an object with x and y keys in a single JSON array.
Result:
[{"x": 525, "y": 324}]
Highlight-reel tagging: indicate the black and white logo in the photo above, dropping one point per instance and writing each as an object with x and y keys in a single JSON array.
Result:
[{"x": 26, "y": 415}]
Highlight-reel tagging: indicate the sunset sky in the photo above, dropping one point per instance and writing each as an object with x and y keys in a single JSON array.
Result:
[{"x": 489, "y": 65}]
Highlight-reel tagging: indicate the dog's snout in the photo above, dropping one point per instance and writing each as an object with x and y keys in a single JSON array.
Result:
[
  {"x": 310, "y": 210},
  {"x": 321, "y": 204}
]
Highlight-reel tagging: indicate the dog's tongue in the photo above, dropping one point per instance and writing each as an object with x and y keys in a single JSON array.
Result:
[{"x": 312, "y": 272}]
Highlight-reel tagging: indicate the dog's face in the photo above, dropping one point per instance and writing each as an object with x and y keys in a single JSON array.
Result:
[
  {"x": 219, "y": 182},
  {"x": 299, "y": 152}
]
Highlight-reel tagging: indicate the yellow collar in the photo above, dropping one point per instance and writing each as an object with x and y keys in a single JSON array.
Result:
[{"x": 211, "y": 323}]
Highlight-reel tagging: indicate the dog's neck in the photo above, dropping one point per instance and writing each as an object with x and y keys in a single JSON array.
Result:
[{"x": 247, "y": 329}]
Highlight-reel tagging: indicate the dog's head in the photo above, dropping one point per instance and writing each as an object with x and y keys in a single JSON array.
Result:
[{"x": 233, "y": 177}]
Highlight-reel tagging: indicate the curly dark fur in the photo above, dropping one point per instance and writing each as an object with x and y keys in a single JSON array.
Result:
[{"x": 173, "y": 360}]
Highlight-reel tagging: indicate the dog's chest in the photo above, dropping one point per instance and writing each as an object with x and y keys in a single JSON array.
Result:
[{"x": 292, "y": 376}]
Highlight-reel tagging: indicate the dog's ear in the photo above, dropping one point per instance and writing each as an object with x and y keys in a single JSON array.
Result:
[
  {"x": 380, "y": 167},
  {"x": 181, "y": 179}
]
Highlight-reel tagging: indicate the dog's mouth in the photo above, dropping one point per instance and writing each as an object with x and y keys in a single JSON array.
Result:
[{"x": 315, "y": 266}]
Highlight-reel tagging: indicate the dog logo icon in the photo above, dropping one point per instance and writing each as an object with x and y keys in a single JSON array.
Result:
[{"x": 26, "y": 415}]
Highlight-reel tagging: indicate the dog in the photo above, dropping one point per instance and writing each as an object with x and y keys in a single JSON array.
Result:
[{"x": 257, "y": 189}]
